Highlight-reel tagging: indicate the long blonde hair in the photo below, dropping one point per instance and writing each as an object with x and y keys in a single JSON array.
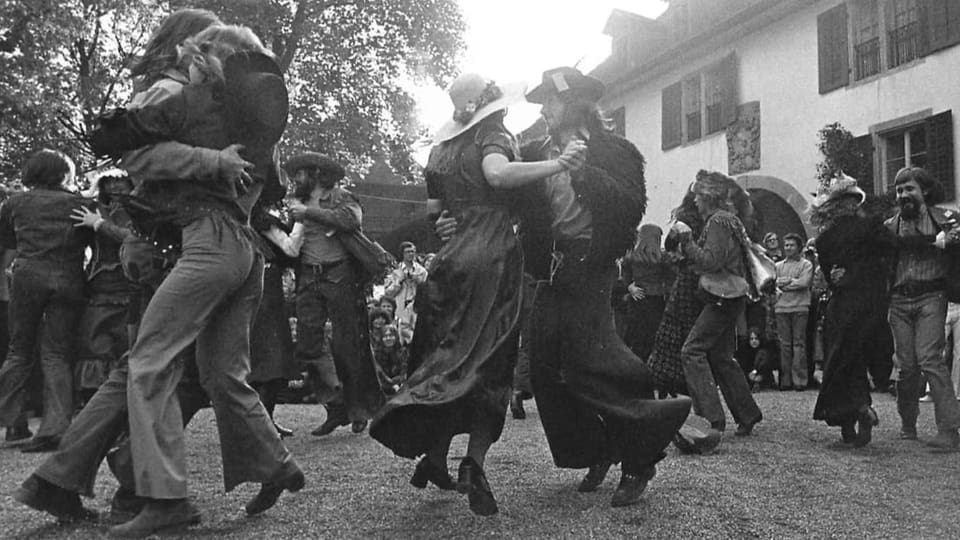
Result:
[{"x": 208, "y": 49}]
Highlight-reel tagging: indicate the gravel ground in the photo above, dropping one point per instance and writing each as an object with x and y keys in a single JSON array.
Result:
[{"x": 791, "y": 479}]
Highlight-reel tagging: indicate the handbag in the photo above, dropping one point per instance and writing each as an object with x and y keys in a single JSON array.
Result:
[
  {"x": 761, "y": 269},
  {"x": 370, "y": 256}
]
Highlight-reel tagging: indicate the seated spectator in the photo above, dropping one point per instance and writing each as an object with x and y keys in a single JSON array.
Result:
[
  {"x": 389, "y": 305},
  {"x": 758, "y": 360},
  {"x": 379, "y": 319},
  {"x": 391, "y": 357}
]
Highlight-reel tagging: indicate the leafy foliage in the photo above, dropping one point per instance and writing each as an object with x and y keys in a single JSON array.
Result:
[
  {"x": 349, "y": 65},
  {"x": 840, "y": 153}
]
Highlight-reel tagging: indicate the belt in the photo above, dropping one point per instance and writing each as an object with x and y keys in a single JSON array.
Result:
[
  {"x": 322, "y": 267},
  {"x": 918, "y": 288}
]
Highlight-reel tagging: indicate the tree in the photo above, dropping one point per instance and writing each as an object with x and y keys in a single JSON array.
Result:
[
  {"x": 62, "y": 60},
  {"x": 348, "y": 65}
]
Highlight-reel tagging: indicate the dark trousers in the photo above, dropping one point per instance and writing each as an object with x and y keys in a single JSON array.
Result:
[
  {"x": 594, "y": 396},
  {"x": 640, "y": 321},
  {"x": 333, "y": 295},
  {"x": 707, "y": 357},
  {"x": 45, "y": 300}
]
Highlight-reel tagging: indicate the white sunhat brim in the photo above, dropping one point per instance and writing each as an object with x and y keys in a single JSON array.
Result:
[{"x": 513, "y": 92}]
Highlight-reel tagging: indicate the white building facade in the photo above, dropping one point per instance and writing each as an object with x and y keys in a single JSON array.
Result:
[{"x": 744, "y": 86}]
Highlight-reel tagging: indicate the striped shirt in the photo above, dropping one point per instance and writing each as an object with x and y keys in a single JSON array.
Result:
[{"x": 919, "y": 264}]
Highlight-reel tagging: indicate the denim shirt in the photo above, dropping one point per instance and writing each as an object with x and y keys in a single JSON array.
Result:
[{"x": 37, "y": 224}]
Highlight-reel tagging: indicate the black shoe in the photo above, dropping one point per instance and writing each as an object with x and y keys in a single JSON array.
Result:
[
  {"x": 62, "y": 504},
  {"x": 17, "y": 433},
  {"x": 473, "y": 483},
  {"x": 291, "y": 480},
  {"x": 158, "y": 515},
  {"x": 358, "y": 426},
  {"x": 594, "y": 476},
  {"x": 336, "y": 417},
  {"x": 632, "y": 487},
  {"x": 516, "y": 407},
  {"x": 125, "y": 505},
  {"x": 744, "y": 430},
  {"x": 282, "y": 431},
  {"x": 41, "y": 444},
  {"x": 865, "y": 422},
  {"x": 426, "y": 471},
  {"x": 848, "y": 432}
]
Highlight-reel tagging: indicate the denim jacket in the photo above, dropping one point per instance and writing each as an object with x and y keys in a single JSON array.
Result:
[{"x": 37, "y": 224}]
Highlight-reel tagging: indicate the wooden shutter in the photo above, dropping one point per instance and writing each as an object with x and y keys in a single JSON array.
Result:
[
  {"x": 939, "y": 24},
  {"x": 863, "y": 150},
  {"x": 672, "y": 116},
  {"x": 619, "y": 119},
  {"x": 940, "y": 152},
  {"x": 727, "y": 79},
  {"x": 833, "y": 53}
]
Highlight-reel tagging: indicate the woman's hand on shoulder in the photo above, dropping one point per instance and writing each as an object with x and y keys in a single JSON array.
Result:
[{"x": 233, "y": 167}]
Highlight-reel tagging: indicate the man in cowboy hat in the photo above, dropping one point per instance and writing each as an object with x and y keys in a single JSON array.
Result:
[
  {"x": 594, "y": 396},
  {"x": 918, "y": 303},
  {"x": 328, "y": 287}
]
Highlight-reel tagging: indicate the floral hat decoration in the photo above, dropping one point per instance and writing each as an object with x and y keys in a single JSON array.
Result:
[
  {"x": 474, "y": 98},
  {"x": 840, "y": 186}
]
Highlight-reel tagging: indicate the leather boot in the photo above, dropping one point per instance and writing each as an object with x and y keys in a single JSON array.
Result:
[
  {"x": 158, "y": 515},
  {"x": 594, "y": 477},
  {"x": 632, "y": 487},
  {"x": 44, "y": 496},
  {"x": 290, "y": 479}
]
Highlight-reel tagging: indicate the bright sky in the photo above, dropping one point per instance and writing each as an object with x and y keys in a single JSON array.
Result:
[{"x": 519, "y": 39}]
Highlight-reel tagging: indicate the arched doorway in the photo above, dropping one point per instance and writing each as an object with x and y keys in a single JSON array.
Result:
[{"x": 780, "y": 207}]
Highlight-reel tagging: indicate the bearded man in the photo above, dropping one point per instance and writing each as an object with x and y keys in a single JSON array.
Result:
[{"x": 918, "y": 303}]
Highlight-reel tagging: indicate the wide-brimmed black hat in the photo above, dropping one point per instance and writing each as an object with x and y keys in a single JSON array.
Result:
[
  {"x": 314, "y": 160},
  {"x": 566, "y": 81},
  {"x": 256, "y": 97}
]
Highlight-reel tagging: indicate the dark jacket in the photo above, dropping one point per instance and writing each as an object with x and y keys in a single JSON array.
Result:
[
  {"x": 38, "y": 225},
  {"x": 611, "y": 185}
]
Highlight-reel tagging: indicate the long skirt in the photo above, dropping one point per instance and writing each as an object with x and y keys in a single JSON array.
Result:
[
  {"x": 682, "y": 310},
  {"x": 465, "y": 343},
  {"x": 848, "y": 331}
]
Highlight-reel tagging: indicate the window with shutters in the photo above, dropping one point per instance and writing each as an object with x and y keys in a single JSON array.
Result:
[
  {"x": 702, "y": 103},
  {"x": 865, "y": 15},
  {"x": 903, "y": 32},
  {"x": 926, "y": 143}
]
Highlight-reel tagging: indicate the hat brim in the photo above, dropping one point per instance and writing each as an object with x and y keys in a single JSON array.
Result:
[
  {"x": 835, "y": 196},
  {"x": 513, "y": 92},
  {"x": 593, "y": 90},
  {"x": 313, "y": 160},
  {"x": 257, "y": 94}
]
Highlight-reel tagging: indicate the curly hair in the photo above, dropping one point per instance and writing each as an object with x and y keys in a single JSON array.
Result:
[
  {"x": 208, "y": 49},
  {"x": 161, "y": 52}
]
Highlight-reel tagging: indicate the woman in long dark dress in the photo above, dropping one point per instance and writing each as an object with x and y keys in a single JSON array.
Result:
[
  {"x": 682, "y": 309},
  {"x": 853, "y": 251},
  {"x": 464, "y": 345}
]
